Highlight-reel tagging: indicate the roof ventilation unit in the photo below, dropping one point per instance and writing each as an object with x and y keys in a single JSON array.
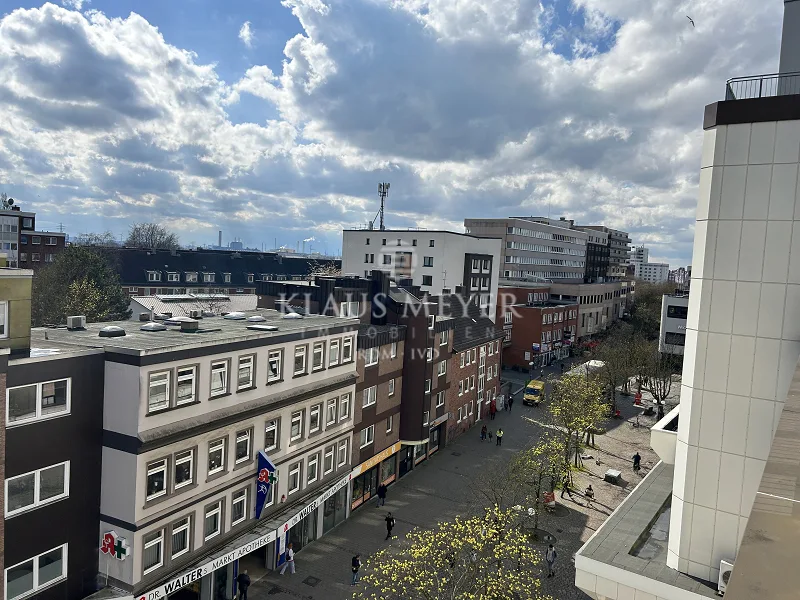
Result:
[
  {"x": 151, "y": 326},
  {"x": 208, "y": 313},
  {"x": 144, "y": 317},
  {"x": 235, "y": 316},
  {"x": 260, "y": 327},
  {"x": 255, "y": 319},
  {"x": 190, "y": 326},
  {"x": 112, "y": 331},
  {"x": 292, "y": 315},
  {"x": 176, "y": 320},
  {"x": 76, "y": 322},
  {"x": 725, "y": 570},
  {"x": 196, "y": 314}
]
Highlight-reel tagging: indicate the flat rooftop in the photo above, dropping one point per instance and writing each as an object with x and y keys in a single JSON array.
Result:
[{"x": 212, "y": 330}]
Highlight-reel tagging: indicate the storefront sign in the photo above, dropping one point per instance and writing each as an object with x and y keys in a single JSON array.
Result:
[
  {"x": 266, "y": 479},
  {"x": 206, "y": 569},
  {"x": 114, "y": 546},
  {"x": 438, "y": 421},
  {"x": 368, "y": 464},
  {"x": 307, "y": 510}
]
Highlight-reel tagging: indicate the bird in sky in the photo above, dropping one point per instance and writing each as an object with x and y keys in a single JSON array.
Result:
[{"x": 690, "y": 20}]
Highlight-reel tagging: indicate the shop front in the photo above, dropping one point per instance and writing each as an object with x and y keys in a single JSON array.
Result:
[
  {"x": 437, "y": 433},
  {"x": 380, "y": 469},
  {"x": 405, "y": 460},
  {"x": 420, "y": 452},
  {"x": 334, "y": 511}
]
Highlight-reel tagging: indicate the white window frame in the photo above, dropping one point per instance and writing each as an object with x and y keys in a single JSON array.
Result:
[
  {"x": 215, "y": 368},
  {"x": 244, "y": 359},
  {"x": 245, "y": 435},
  {"x": 297, "y": 417},
  {"x": 158, "y": 540},
  {"x": 294, "y": 470},
  {"x": 274, "y": 356},
  {"x": 344, "y": 407},
  {"x": 271, "y": 424},
  {"x": 190, "y": 376},
  {"x": 153, "y": 276},
  {"x": 342, "y": 453},
  {"x": 212, "y": 447},
  {"x": 426, "y": 417},
  {"x": 39, "y": 416},
  {"x": 187, "y": 528},
  {"x": 391, "y": 387},
  {"x": 393, "y": 350},
  {"x": 239, "y": 499},
  {"x": 315, "y": 410},
  {"x": 347, "y": 350},
  {"x": 371, "y": 356},
  {"x": 444, "y": 337},
  {"x": 153, "y": 469},
  {"x": 334, "y": 353},
  {"x": 331, "y": 411},
  {"x": 428, "y": 386},
  {"x": 173, "y": 277},
  {"x": 36, "y": 587},
  {"x": 329, "y": 451},
  {"x": 367, "y": 436},
  {"x": 458, "y": 420},
  {"x": 37, "y": 502},
  {"x": 441, "y": 368},
  {"x": 4, "y": 317},
  {"x": 439, "y": 399},
  {"x": 180, "y": 461},
  {"x": 370, "y": 396},
  {"x": 312, "y": 460},
  {"x": 300, "y": 351},
  {"x": 318, "y": 349},
  {"x": 389, "y": 423},
  {"x": 429, "y": 354},
  {"x": 206, "y": 513},
  {"x": 164, "y": 379},
  {"x": 461, "y": 359},
  {"x": 461, "y": 387}
]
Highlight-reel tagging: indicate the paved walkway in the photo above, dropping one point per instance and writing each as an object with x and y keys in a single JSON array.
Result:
[{"x": 440, "y": 488}]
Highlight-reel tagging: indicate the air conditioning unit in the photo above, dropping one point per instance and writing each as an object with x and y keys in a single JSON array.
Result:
[
  {"x": 725, "y": 570},
  {"x": 76, "y": 322},
  {"x": 196, "y": 314}
]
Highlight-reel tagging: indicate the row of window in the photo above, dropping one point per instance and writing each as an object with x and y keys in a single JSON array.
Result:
[
  {"x": 400, "y": 242},
  {"x": 546, "y": 235},
  {"x": 38, "y": 401},
  {"x": 162, "y": 394},
  {"x": 427, "y": 261},
  {"x": 541, "y": 274},
  {"x": 43, "y": 570},
  {"x": 468, "y": 357},
  {"x": 31, "y": 490},
  {"x": 462, "y": 411},
  {"x": 559, "y": 317},
  {"x": 37, "y": 240},
  {"x": 36, "y": 257},
  {"x": 532, "y": 260},
  {"x": 371, "y": 355},
  {"x": 192, "y": 277},
  {"x": 468, "y": 384},
  {"x": 478, "y": 264},
  {"x": 367, "y": 435}
]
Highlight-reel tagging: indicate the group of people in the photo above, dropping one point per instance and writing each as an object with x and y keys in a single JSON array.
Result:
[{"x": 498, "y": 434}]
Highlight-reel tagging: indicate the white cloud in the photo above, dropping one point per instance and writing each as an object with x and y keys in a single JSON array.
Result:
[
  {"x": 470, "y": 108},
  {"x": 246, "y": 34},
  {"x": 75, "y": 4}
]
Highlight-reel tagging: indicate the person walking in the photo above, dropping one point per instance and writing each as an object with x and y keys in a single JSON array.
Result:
[
  {"x": 499, "y": 436},
  {"x": 637, "y": 462},
  {"x": 510, "y": 402},
  {"x": 356, "y": 567},
  {"x": 565, "y": 489},
  {"x": 381, "y": 495},
  {"x": 483, "y": 432},
  {"x": 550, "y": 557},
  {"x": 589, "y": 496},
  {"x": 289, "y": 560},
  {"x": 562, "y": 368},
  {"x": 243, "y": 580},
  {"x": 492, "y": 410},
  {"x": 389, "y": 525}
]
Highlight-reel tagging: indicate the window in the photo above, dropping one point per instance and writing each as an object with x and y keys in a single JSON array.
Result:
[
  {"x": 275, "y": 373},
  {"x": 391, "y": 387},
  {"x": 318, "y": 356},
  {"x": 48, "y": 258},
  {"x": 342, "y": 453},
  {"x": 371, "y": 357},
  {"x": 425, "y": 417},
  {"x": 413, "y": 242},
  {"x": 23, "y": 257},
  {"x": 431, "y": 243},
  {"x": 476, "y": 264},
  {"x": 367, "y": 242},
  {"x": 208, "y": 277},
  {"x": 344, "y": 407},
  {"x": 427, "y": 280},
  {"x": 153, "y": 276},
  {"x": 27, "y": 223},
  {"x": 213, "y": 520},
  {"x": 370, "y": 396},
  {"x": 38, "y": 401},
  {"x": 190, "y": 277},
  {"x": 250, "y": 277},
  {"x": 184, "y": 468},
  {"x": 387, "y": 258},
  {"x": 226, "y": 277},
  {"x": 216, "y": 456},
  {"x": 238, "y": 507},
  {"x": 173, "y": 277},
  {"x": 156, "y": 479},
  {"x": 333, "y": 359},
  {"x": 271, "y": 435},
  {"x": 35, "y": 573},
  {"x": 472, "y": 382},
  {"x": 461, "y": 359},
  {"x": 219, "y": 377},
  {"x": 300, "y": 360},
  {"x": 367, "y": 436},
  {"x": 485, "y": 264},
  {"x": 296, "y": 431},
  {"x": 393, "y": 351},
  {"x": 180, "y": 536},
  {"x": 23, "y": 239},
  {"x": 294, "y": 478},
  {"x": 389, "y": 423},
  {"x": 37, "y": 488},
  {"x": 461, "y": 387},
  {"x": 427, "y": 261},
  {"x": 36, "y": 239},
  {"x": 427, "y": 386},
  {"x": 312, "y": 469},
  {"x": 441, "y": 368},
  {"x": 314, "y": 421},
  {"x": 431, "y": 321},
  {"x": 471, "y": 406},
  {"x": 459, "y": 414},
  {"x": 675, "y": 339},
  {"x": 328, "y": 460},
  {"x": 444, "y": 337},
  {"x": 429, "y": 354},
  {"x": 347, "y": 350},
  {"x": 349, "y": 309},
  {"x": 383, "y": 242},
  {"x": 243, "y": 446},
  {"x": 677, "y": 312},
  {"x": 35, "y": 257},
  {"x": 245, "y": 372},
  {"x": 439, "y": 399}
]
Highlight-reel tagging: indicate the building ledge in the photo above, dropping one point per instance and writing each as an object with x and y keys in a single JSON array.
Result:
[
  {"x": 752, "y": 110},
  {"x": 664, "y": 435},
  {"x": 606, "y": 566}
]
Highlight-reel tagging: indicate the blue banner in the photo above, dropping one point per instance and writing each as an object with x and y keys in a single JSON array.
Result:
[{"x": 266, "y": 479}]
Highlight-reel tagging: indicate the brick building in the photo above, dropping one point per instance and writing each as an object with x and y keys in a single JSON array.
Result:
[
  {"x": 23, "y": 245},
  {"x": 535, "y": 328}
]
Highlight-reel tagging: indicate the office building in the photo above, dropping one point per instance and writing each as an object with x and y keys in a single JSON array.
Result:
[
  {"x": 672, "y": 333},
  {"x": 433, "y": 261},
  {"x": 725, "y": 489},
  {"x": 598, "y": 258},
  {"x": 619, "y": 244},
  {"x": 653, "y": 272},
  {"x": 599, "y": 304},
  {"x": 536, "y": 247}
]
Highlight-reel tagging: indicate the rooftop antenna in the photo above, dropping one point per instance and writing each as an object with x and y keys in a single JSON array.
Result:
[{"x": 383, "y": 191}]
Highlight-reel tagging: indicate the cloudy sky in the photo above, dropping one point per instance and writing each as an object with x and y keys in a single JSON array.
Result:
[{"x": 276, "y": 120}]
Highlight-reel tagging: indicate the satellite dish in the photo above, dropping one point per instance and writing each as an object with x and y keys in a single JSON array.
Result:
[{"x": 11, "y": 202}]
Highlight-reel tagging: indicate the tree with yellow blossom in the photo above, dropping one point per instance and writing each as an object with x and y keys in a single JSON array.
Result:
[{"x": 486, "y": 557}]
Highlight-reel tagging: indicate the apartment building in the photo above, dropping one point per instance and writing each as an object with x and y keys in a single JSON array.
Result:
[
  {"x": 223, "y": 439},
  {"x": 432, "y": 261},
  {"x": 726, "y": 483},
  {"x": 672, "y": 333},
  {"x": 653, "y": 272},
  {"x": 536, "y": 329},
  {"x": 619, "y": 244},
  {"x": 599, "y": 304},
  {"x": 536, "y": 247},
  {"x": 23, "y": 245},
  {"x": 598, "y": 257}
]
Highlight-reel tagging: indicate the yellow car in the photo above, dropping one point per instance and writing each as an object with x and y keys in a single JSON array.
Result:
[{"x": 534, "y": 392}]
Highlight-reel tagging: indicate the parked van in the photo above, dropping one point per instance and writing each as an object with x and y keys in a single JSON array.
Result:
[{"x": 534, "y": 392}]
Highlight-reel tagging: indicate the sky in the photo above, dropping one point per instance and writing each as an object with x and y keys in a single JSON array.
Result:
[{"x": 275, "y": 121}]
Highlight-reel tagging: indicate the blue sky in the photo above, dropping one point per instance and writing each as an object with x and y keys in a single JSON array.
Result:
[{"x": 276, "y": 120}]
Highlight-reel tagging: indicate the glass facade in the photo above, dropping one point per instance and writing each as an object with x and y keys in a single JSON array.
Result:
[{"x": 334, "y": 510}]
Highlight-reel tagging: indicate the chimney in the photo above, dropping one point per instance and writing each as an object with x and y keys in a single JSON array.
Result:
[{"x": 220, "y": 238}]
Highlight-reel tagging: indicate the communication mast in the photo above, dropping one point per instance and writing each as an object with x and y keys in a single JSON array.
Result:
[{"x": 383, "y": 191}]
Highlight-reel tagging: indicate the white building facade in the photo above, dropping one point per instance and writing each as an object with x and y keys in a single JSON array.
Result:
[{"x": 672, "y": 334}]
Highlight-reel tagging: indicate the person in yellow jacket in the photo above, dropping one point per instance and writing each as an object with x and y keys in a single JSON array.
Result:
[{"x": 499, "y": 436}]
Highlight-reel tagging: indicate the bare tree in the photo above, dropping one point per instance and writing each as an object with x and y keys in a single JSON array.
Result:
[
  {"x": 544, "y": 463},
  {"x": 104, "y": 240},
  {"x": 323, "y": 269},
  {"x": 151, "y": 236},
  {"x": 207, "y": 302},
  {"x": 615, "y": 353},
  {"x": 576, "y": 404},
  {"x": 661, "y": 368}
]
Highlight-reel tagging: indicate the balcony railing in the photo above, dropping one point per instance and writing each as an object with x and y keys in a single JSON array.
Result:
[{"x": 763, "y": 86}]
